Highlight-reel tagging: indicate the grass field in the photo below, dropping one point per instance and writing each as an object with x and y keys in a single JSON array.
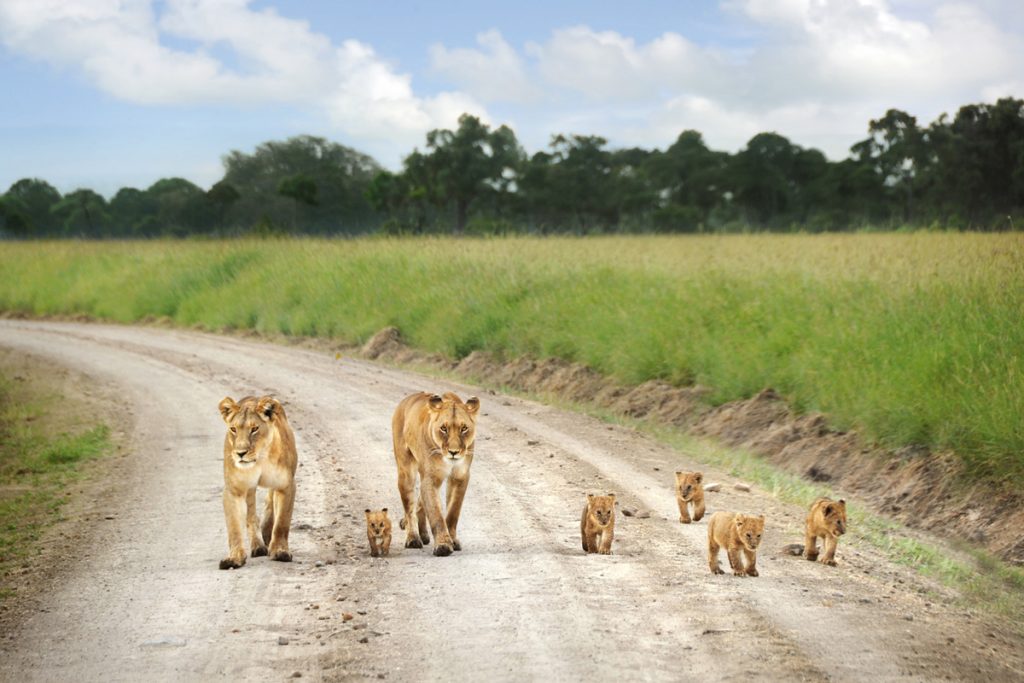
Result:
[{"x": 911, "y": 338}]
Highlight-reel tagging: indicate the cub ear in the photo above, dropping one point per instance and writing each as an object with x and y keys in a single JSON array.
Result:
[
  {"x": 383, "y": 509},
  {"x": 678, "y": 473},
  {"x": 473, "y": 405},
  {"x": 842, "y": 502},
  {"x": 761, "y": 518},
  {"x": 698, "y": 477},
  {"x": 611, "y": 495},
  {"x": 829, "y": 509},
  {"x": 228, "y": 408},
  {"x": 267, "y": 407},
  {"x": 367, "y": 512},
  {"x": 436, "y": 402},
  {"x": 590, "y": 496}
]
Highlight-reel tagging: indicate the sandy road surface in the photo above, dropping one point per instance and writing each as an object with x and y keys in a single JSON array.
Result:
[{"x": 144, "y": 599}]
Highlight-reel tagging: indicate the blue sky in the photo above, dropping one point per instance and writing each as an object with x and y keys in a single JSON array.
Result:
[{"x": 113, "y": 93}]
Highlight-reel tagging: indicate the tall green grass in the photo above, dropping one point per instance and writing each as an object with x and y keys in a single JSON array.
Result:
[{"x": 911, "y": 338}]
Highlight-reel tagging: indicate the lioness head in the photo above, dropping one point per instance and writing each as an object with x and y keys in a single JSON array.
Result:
[
  {"x": 687, "y": 483},
  {"x": 601, "y": 508},
  {"x": 453, "y": 424},
  {"x": 377, "y": 523},
  {"x": 750, "y": 529},
  {"x": 835, "y": 517},
  {"x": 249, "y": 427}
]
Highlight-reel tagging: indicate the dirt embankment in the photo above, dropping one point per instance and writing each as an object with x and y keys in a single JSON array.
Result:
[{"x": 921, "y": 488}]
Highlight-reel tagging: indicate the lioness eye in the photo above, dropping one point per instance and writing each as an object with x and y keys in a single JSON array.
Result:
[
  {"x": 232, "y": 430},
  {"x": 444, "y": 429},
  {"x": 253, "y": 429},
  {"x": 465, "y": 429}
]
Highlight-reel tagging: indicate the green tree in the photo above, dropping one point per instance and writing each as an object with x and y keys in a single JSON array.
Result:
[
  {"x": 82, "y": 213},
  {"x": 30, "y": 200},
  {"x": 180, "y": 207},
  {"x": 301, "y": 189},
  {"x": 132, "y": 213},
  {"x": 222, "y": 196},
  {"x": 470, "y": 162}
]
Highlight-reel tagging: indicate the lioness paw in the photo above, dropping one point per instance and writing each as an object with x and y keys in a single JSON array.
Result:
[
  {"x": 259, "y": 551},
  {"x": 456, "y": 545},
  {"x": 282, "y": 556},
  {"x": 442, "y": 550},
  {"x": 231, "y": 563},
  {"x": 413, "y": 543}
]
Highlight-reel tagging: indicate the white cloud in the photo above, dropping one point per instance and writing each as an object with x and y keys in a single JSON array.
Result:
[
  {"x": 122, "y": 47},
  {"x": 494, "y": 73}
]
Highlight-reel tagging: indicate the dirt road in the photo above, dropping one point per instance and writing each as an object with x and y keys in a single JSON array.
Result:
[{"x": 144, "y": 600}]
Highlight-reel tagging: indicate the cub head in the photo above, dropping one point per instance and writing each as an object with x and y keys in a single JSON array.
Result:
[
  {"x": 601, "y": 508},
  {"x": 835, "y": 517},
  {"x": 749, "y": 529},
  {"x": 250, "y": 427},
  {"x": 687, "y": 483},
  {"x": 377, "y": 523},
  {"x": 452, "y": 424}
]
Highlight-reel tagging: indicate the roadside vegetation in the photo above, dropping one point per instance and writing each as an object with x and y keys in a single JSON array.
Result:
[
  {"x": 910, "y": 338},
  {"x": 41, "y": 456}
]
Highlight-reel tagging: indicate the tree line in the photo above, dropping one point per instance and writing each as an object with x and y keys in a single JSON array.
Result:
[{"x": 964, "y": 172}]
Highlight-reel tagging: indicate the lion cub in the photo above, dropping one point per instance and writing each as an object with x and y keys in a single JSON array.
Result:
[
  {"x": 690, "y": 491},
  {"x": 378, "y": 532},
  {"x": 734, "y": 532},
  {"x": 597, "y": 524},
  {"x": 826, "y": 519}
]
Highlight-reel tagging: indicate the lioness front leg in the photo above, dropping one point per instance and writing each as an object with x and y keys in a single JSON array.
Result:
[
  {"x": 407, "y": 490},
  {"x": 284, "y": 501},
  {"x": 256, "y": 544},
  {"x": 456, "y": 494},
  {"x": 234, "y": 516},
  {"x": 431, "y": 492}
]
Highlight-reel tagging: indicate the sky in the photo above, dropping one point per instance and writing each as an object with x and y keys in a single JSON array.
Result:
[{"x": 107, "y": 94}]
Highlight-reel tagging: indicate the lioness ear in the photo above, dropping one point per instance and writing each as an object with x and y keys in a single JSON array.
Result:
[
  {"x": 228, "y": 408},
  {"x": 267, "y": 406},
  {"x": 472, "y": 405},
  {"x": 436, "y": 402}
]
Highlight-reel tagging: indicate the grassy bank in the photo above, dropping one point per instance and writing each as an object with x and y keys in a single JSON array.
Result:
[
  {"x": 41, "y": 454},
  {"x": 909, "y": 338}
]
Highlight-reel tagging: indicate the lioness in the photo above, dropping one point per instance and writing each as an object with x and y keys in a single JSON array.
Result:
[
  {"x": 690, "y": 491},
  {"x": 827, "y": 519},
  {"x": 433, "y": 438},
  {"x": 259, "y": 450},
  {"x": 597, "y": 524},
  {"x": 735, "y": 533}
]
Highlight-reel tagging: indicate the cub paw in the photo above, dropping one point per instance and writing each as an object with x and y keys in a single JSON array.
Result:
[
  {"x": 259, "y": 551},
  {"x": 717, "y": 570},
  {"x": 442, "y": 550},
  {"x": 738, "y": 572},
  {"x": 752, "y": 572},
  {"x": 831, "y": 563},
  {"x": 374, "y": 553},
  {"x": 231, "y": 563},
  {"x": 281, "y": 556},
  {"x": 684, "y": 520},
  {"x": 413, "y": 543},
  {"x": 811, "y": 557}
]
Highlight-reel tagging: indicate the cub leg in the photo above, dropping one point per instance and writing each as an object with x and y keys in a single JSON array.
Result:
[
  {"x": 284, "y": 501},
  {"x": 698, "y": 510},
  {"x": 830, "y": 550},
  {"x": 606, "y": 541},
  {"x": 386, "y": 546},
  {"x": 684, "y": 510},
  {"x": 234, "y": 515},
  {"x": 713, "y": 548},
  {"x": 256, "y": 543},
  {"x": 810, "y": 546},
  {"x": 374, "y": 549},
  {"x": 734, "y": 561},
  {"x": 751, "y": 558}
]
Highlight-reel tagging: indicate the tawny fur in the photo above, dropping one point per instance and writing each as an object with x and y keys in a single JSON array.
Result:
[
  {"x": 433, "y": 441},
  {"x": 597, "y": 524},
  {"x": 826, "y": 520},
  {"x": 690, "y": 491},
  {"x": 259, "y": 451},
  {"x": 739, "y": 535},
  {"x": 378, "y": 532}
]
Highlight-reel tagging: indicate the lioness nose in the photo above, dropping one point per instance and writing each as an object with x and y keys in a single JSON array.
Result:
[
  {"x": 240, "y": 453},
  {"x": 452, "y": 453}
]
